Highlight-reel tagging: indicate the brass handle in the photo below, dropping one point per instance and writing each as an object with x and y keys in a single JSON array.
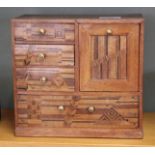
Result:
[
  {"x": 91, "y": 109},
  {"x": 41, "y": 56},
  {"x": 109, "y": 31},
  {"x": 42, "y": 31},
  {"x": 43, "y": 79},
  {"x": 61, "y": 108}
]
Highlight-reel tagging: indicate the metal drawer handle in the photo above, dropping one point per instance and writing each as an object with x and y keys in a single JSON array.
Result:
[
  {"x": 109, "y": 31},
  {"x": 41, "y": 56},
  {"x": 42, "y": 31},
  {"x": 43, "y": 79},
  {"x": 91, "y": 109},
  {"x": 61, "y": 108}
]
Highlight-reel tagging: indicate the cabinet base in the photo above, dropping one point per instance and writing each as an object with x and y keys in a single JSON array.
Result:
[{"x": 77, "y": 132}]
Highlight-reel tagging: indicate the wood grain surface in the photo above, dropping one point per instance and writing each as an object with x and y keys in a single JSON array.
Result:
[
  {"x": 44, "y": 55},
  {"x": 104, "y": 52},
  {"x": 109, "y": 112},
  {"x": 78, "y": 77},
  {"x": 51, "y": 32},
  {"x": 46, "y": 79},
  {"x": 7, "y": 137}
]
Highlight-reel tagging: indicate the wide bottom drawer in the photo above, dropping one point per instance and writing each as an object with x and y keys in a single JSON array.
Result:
[{"x": 96, "y": 112}]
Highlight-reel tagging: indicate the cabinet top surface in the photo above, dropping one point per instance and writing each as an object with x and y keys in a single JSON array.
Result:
[{"x": 72, "y": 18}]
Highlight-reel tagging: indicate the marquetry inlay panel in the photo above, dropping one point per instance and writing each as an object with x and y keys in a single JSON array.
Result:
[
  {"x": 109, "y": 58},
  {"x": 78, "y": 77}
]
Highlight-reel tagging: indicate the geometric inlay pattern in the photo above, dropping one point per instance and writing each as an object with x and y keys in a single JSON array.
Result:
[
  {"x": 109, "y": 57},
  {"x": 109, "y": 114}
]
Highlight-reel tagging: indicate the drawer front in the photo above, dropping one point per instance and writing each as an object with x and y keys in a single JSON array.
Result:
[
  {"x": 44, "y": 55},
  {"x": 55, "y": 79},
  {"x": 83, "y": 112},
  {"x": 42, "y": 110},
  {"x": 106, "y": 112},
  {"x": 39, "y": 31}
]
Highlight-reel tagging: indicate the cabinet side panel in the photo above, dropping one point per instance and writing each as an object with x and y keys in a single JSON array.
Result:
[
  {"x": 14, "y": 72},
  {"x": 141, "y": 73}
]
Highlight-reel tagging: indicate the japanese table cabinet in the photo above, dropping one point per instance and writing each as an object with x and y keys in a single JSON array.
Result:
[{"x": 78, "y": 77}]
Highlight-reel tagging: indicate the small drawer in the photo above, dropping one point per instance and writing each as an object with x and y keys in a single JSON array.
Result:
[
  {"x": 43, "y": 110},
  {"x": 106, "y": 112},
  {"x": 55, "y": 79},
  {"x": 44, "y": 55},
  {"x": 44, "y": 31}
]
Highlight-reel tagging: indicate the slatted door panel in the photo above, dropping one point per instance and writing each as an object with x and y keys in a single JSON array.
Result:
[{"x": 110, "y": 56}]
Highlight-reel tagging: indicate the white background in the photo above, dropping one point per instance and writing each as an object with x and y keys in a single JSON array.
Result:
[{"x": 77, "y": 3}]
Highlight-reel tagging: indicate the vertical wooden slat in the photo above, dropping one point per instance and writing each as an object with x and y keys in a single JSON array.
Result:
[
  {"x": 96, "y": 72},
  {"x": 102, "y": 56},
  {"x": 112, "y": 54},
  {"x": 101, "y": 47},
  {"x": 106, "y": 58},
  {"x": 118, "y": 55},
  {"x": 95, "y": 47},
  {"x": 123, "y": 58}
]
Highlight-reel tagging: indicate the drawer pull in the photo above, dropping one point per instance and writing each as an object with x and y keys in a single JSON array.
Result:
[
  {"x": 109, "y": 31},
  {"x": 41, "y": 56},
  {"x": 42, "y": 31},
  {"x": 91, "y": 109},
  {"x": 61, "y": 108},
  {"x": 43, "y": 79}
]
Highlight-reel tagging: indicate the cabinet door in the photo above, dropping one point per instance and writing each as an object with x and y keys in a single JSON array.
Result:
[{"x": 109, "y": 57}]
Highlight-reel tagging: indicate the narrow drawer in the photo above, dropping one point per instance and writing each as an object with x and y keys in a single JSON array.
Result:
[
  {"x": 44, "y": 31},
  {"x": 43, "y": 79},
  {"x": 78, "y": 112},
  {"x": 44, "y": 55}
]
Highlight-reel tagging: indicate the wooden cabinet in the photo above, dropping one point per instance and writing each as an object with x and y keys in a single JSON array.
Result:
[{"x": 78, "y": 77}]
